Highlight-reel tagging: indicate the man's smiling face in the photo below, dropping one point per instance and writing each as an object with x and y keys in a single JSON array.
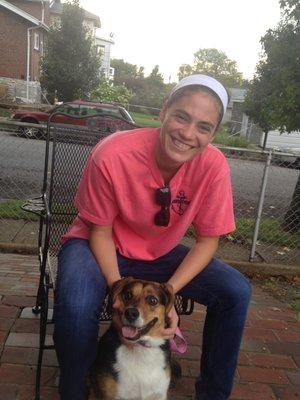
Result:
[{"x": 188, "y": 126}]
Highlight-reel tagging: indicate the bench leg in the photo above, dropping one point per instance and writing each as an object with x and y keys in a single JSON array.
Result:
[
  {"x": 43, "y": 310},
  {"x": 40, "y": 295}
]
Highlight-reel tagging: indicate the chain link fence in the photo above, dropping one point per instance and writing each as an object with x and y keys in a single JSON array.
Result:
[
  {"x": 266, "y": 194},
  {"x": 266, "y": 189}
]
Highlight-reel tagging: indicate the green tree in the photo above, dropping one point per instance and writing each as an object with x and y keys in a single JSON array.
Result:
[
  {"x": 125, "y": 71},
  {"x": 129, "y": 75},
  {"x": 147, "y": 91},
  {"x": 141, "y": 72},
  {"x": 215, "y": 63},
  {"x": 156, "y": 76},
  {"x": 273, "y": 98},
  {"x": 106, "y": 92},
  {"x": 152, "y": 90},
  {"x": 291, "y": 11},
  {"x": 71, "y": 64},
  {"x": 185, "y": 70}
]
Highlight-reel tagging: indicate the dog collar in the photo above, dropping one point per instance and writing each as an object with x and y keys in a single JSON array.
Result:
[
  {"x": 143, "y": 343},
  {"x": 178, "y": 344}
]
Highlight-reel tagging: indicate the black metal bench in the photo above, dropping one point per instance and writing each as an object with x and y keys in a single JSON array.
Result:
[{"x": 67, "y": 148}]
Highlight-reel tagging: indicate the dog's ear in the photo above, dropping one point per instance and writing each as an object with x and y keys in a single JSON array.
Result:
[
  {"x": 168, "y": 294},
  {"x": 116, "y": 289}
]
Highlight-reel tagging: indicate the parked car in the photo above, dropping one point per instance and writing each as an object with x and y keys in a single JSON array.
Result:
[
  {"x": 287, "y": 157},
  {"x": 88, "y": 110}
]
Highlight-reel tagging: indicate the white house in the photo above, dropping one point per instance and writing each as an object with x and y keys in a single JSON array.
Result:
[
  {"x": 92, "y": 23},
  {"x": 104, "y": 48},
  {"x": 283, "y": 141},
  {"x": 234, "y": 109}
]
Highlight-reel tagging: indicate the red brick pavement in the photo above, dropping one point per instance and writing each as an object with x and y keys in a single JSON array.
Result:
[{"x": 269, "y": 362}]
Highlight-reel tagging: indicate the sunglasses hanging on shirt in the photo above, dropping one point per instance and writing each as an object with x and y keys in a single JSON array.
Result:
[{"x": 163, "y": 199}]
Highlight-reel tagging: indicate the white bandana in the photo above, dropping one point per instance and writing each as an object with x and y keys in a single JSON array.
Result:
[{"x": 207, "y": 81}]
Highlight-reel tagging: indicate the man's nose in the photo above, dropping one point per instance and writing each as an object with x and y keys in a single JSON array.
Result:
[{"x": 188, "y": 132}]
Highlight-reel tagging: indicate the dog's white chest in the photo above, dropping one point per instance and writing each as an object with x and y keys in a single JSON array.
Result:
[{"x": 141, "y": 374}]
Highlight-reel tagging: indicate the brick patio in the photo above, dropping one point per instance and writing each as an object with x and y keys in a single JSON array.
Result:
[{"x": 268, "y": 364}]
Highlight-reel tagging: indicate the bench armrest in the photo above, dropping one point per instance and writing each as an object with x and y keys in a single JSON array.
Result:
[{"x": 36, "y": 205}]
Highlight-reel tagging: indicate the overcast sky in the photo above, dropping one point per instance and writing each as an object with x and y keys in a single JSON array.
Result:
[{"x": 169, "y": 32}]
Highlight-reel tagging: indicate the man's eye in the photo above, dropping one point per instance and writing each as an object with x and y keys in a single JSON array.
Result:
[
  {"x": 151, "y": 300},
  {"x": 204, "y": 129},
  {"x": 127, "y": 295},
  {"x": 180, "y": 117}
]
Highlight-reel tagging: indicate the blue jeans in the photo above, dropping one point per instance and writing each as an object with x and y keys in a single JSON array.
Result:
[{"x": 81, "y": 289}]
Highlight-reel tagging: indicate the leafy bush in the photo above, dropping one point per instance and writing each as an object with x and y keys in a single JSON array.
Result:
[
  {"x": 224, "y": 138},
  {"x": 108, "y": 93}
]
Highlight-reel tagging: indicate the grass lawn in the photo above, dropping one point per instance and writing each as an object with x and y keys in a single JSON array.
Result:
[
  {"x": 145, "y": 119},
  {"x": 270, "y": 231},
  {"x": 12, "y": 209},
  {"x": 4, "y": 112}
]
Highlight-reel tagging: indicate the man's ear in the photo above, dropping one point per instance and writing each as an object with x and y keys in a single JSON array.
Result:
[
  {"x": 162, "y": 113},
  {"x": 168, "y": 295}
]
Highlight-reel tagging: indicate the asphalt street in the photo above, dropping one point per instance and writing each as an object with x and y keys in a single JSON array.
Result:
[{"x": 22, "y": 165}]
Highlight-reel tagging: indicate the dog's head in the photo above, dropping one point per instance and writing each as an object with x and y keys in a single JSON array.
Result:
[{"x": 142, "y": 311}]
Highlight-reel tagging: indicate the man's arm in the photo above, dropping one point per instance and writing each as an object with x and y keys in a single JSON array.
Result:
[
  {"x": 194, "y": 262},
  {"x": 104, "y": 250}
]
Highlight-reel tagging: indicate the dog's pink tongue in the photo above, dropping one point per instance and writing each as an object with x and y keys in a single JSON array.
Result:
[{"x": 129, "y": 331}]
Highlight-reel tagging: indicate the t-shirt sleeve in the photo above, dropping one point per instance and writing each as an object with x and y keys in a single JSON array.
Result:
[
  {"x": 216, "y": 216},
  {"x": 95, "y": 198}
]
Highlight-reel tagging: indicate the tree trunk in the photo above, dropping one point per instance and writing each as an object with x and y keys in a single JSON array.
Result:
[
  {"x": 292, "y": 217},
  {"x": 265, "y": 140}
]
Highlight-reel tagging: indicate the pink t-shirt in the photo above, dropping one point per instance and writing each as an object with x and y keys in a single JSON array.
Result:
[{"x": 118, "y": 188}]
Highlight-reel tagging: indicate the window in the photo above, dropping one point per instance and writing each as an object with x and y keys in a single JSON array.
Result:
[
  {"x": 36, "y": 45},
  {"x": 70, "y": 109},
  {"x": 42, "y": 47},
  {"x": 100, "y": 50},
  {"x": 89, "y": 110},
  {"x": 111, "y": 72}
]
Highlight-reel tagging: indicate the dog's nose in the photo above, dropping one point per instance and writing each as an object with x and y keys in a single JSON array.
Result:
[{"x": 131, "y": 314}]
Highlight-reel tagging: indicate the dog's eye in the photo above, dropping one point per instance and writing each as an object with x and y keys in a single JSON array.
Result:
[
  {"x": 127, "y": 295},
  {"x": 151, "y": 300}
]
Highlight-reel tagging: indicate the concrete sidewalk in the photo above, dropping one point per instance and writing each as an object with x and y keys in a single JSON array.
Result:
[{"x": 269, "y": 362}]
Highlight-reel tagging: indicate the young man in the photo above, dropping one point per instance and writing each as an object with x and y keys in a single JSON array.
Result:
[{"x": 139, "y": 193}]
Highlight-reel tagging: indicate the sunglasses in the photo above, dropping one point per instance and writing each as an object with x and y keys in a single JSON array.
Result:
[{"x": 163, "y": 199}]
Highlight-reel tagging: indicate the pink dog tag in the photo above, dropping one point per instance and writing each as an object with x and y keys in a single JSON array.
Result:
[{"x": 178, "y": 344}]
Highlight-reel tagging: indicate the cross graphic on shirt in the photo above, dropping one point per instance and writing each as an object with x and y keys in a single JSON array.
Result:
[{"x": 180, "y": 201}]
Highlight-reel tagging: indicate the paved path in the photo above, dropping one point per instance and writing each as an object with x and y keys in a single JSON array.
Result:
[{"x": 269, "y": 362}]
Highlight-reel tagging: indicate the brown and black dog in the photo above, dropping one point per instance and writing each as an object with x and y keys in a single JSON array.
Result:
[{"x": 133, "y": 360}]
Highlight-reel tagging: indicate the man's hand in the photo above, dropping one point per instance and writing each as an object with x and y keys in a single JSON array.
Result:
[{"x": 169, "y": 332}]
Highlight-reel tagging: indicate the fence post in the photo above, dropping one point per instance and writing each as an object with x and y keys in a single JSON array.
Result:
[{"x": 260, "y": 205}]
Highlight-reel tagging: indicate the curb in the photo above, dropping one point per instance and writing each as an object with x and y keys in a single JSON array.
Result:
[
  {"x": 265, "y": 270},
  {"x": 250, "y": 268},
  {"x": 7, "y": 247}
]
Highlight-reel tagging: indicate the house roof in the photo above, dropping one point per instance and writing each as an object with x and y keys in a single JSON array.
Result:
[
  {"x": 105, "y": 40},
  {"x": 23, "y": 14},
  {"x": 56, "y": 7}
]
